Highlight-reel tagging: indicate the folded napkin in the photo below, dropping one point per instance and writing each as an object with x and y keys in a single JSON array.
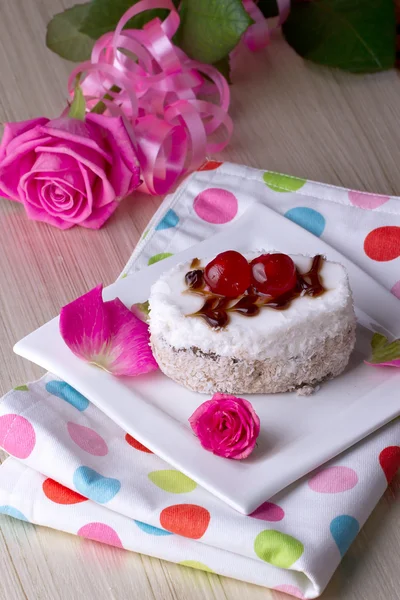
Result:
[{"x": 73, "y": 469}]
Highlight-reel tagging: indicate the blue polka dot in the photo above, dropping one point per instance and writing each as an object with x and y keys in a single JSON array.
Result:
[
  {"x": 95, "y": 486},
  {"x": 12, "y": 512},
  {"x": 308, "y": 218},
  {"x": 170, "y": 219},
  {"x": 69, "y": 394},
  {"x": 344, "y": 529},
  {"x": 150, "y": 529}
]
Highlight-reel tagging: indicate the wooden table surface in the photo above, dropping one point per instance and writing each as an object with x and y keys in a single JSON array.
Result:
[{"x": 289, "y": 116}]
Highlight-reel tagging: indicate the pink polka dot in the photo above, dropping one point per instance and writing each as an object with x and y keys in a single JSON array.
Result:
[
  {"x": 268, "y": 512},
  {"x": 87, "y": 439},
  {"x": 333, "y": 480},
  {"x": 290, "y": 589},
  {"x": 17, "y": 436},
  {"x": 396, "y": 290},
  {"x": 216, "y": 205},
  {"x": 363, "y": 200},
  {"x": 99, "y": 532}
]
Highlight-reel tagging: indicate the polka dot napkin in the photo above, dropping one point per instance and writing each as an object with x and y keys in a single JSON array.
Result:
[{"x": 73, "y": 469}]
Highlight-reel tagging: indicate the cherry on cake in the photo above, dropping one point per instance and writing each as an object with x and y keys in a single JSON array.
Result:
[{"x": 254, "y": 323}]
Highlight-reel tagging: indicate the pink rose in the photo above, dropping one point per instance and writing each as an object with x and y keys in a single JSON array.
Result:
[
  {"x": 68, "y": 172},
  {"x": 227, "y": 426}
]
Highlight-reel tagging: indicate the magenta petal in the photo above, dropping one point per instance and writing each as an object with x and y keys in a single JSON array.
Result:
[
  {"x": 107, "y": 334},
  {"x": 129, "y": 350},
  {"x": 85, "y": 326},
  {"x": 390, "y": 363}
]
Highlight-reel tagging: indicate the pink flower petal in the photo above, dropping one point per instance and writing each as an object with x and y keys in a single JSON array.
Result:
[
  {"x": 391, "y": 363},
  {"x": 227, "y": 426},
  {"x": 107, "y": 334}
]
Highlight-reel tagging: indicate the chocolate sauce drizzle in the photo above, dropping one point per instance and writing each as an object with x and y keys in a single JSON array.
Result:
[{"x": 215, "y": 310}]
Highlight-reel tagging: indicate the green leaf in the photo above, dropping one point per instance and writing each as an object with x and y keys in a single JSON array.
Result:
[
  {"x": 382, "y": 350},
  {"x": 354, "y": 35},
  {"x": 64, "y": 38},
  {"x": 224, "y": 67},
  {"x": 77, "y": 109},
  {"x": 210, "y": 29},
  {"x": 269, "y": 8},
  {"x": 103, "y": 15}
]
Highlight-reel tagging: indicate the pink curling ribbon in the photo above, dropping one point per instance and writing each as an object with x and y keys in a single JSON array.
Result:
[
  {"x": 172, "y": 105},
  {"x": 258, "y": 35}
]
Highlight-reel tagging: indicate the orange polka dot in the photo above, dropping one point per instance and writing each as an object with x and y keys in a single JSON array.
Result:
[
  {"x": 210, "y": 165},
  {"x": 188, "y": 520},
  {"x": 135, "y": 444},
  {"x": 60, "y": 494},
  {"x": 383, "y": 243}
]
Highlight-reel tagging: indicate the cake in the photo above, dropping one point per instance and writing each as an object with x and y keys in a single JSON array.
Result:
[{"x": 253, "y": 323}]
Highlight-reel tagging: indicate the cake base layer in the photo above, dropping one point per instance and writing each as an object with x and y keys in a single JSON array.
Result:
[{"x": 209, "y": 373}]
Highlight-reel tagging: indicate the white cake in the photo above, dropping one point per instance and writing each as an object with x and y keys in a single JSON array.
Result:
[{"x": 274, "y": 351}]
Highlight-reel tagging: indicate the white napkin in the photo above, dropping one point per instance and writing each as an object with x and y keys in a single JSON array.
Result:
[{"x": 65, "y": 450}]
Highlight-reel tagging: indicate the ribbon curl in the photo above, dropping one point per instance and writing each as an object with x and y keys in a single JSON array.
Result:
[{"x": 171, "y": 103}]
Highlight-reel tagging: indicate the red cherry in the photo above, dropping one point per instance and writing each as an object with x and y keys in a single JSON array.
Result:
[
  {"x": 273, "y": 274},
  {"x": 228, "y": 274}
]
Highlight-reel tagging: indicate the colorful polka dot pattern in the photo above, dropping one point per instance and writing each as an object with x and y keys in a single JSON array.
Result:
[
  {"x": 396, "y": 290},
  {"x": 100, "y": 532},
  {"x": 136, "y": 444},
  {"x": 6, "y": 509},
  {"x": 292, "y": 590},
  {"x": 188, "y": 520},
  {"x": 383, "y": 244},
  {"x": 60, "y": 494},
  {"x": 333, "y": 480},
  {"x": 210, "y": 165},
  {"x": 278, "y": 549},
  {"x": 344, "y": 529},
  {"x": 268, "y": 511},
  {"x": 308, "y": 218},
  {"x": 95, "y": 486},
  {"x": 283, "y": 183},
  {"x": 216, "y": 205},
  {"x": 195, "y": 564},
  {"x": 172, "y": 481},
  {"x": 169, "y": 220},
  {"x": 17, "y": 436},
  {"x": 150, "y": 529},
  {"x": 389, "y": 460},
  {"x": 87, "y": 439},
  {"x": 368, "y": 201},
  {"x": 158, "y": 257},
  {"x": 69, "y": 394}
]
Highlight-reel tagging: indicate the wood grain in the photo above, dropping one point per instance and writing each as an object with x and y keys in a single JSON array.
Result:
[{"x": 289, "y": 116}]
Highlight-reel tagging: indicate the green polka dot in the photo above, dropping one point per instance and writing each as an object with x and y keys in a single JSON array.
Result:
[
  {"x": 283, "y": 183},
  {"x": 145, "y": 234},
  {"x": 124, "y": 275},
  {"x": 195, "y": 564},
  {"x": 172, "y": 481},
  {"x": 22, "y": 388},
  {"x": 278, "y": 548},
  {"x": 158, "y": 257}
]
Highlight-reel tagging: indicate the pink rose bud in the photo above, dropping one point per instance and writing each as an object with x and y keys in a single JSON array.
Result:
[
  {"x": 68, "y": 172},
  {"x": 227, "y": 426}
]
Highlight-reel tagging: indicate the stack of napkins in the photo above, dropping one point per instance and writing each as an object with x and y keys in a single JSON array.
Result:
[{"x": 73, "y": 469}]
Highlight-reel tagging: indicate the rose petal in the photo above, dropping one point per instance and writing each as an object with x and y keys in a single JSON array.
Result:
[
  {"x": 13, "y": 130},
  {"x": 126, "y": 176},
  {"x": 78, "y": 132},
  {"x": 100, "y": 216},
  {"x": 129, "y": 348},
  {"x": 85, "y": 326},
  {"x": 107, "y": 334}
]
